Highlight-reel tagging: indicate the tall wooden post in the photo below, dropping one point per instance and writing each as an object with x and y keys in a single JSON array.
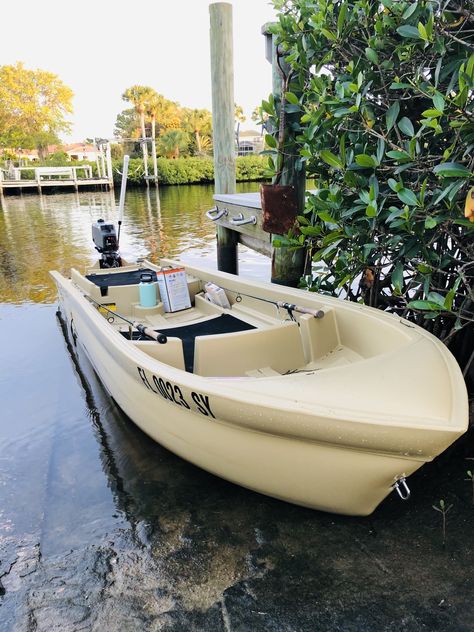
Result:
[
  {"x": 288, "y": 264},
  {"x": 222, "y": 77}
]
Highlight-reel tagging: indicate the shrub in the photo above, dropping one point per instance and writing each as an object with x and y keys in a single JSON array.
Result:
[
  {"x": 383, "y": 94},
  {"x": 190, "y": 170}
]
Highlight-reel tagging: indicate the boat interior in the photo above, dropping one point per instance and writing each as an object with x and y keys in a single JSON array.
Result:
[{"x": 252, "y": 337}]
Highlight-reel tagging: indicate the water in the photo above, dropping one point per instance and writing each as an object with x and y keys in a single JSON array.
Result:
[{"x": 102, "y": 529}]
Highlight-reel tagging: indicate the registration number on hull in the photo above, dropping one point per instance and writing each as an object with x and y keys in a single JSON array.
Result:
[{"x": 172, "y": 392}]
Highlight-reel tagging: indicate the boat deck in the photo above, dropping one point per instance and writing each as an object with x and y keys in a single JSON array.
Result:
[{"x": 252, "y": 338}]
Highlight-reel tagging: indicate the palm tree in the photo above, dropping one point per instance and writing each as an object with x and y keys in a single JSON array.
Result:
[
  {"x": 166, "y": 114},
  {"x": 172, "y": 142},
  {"x": 199, "y": 123},
  {"x": 140, "y": 97}
]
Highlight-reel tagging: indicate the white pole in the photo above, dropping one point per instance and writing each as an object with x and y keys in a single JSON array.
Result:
[
  {"x": 123, "y": 188},
  {"x": 108, "y": 155},
  {"x": 102, "y": 158}
]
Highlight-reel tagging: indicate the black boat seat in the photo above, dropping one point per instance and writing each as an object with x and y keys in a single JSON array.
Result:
[{"x": 113, "y": 278}]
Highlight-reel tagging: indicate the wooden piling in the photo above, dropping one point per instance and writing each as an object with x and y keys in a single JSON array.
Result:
[{"x": 222, "y": 77}]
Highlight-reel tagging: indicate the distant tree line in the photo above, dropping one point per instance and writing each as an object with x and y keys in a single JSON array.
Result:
[{"x": 178, "y": 131}]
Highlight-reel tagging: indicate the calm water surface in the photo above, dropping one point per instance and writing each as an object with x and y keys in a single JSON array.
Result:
[
  {"x": 102, "y": 529},
  {"x": 44, "y": 438}
]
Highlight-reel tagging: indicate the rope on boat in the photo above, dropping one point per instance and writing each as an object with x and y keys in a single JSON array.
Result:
[{"x": 145, "y": 331}]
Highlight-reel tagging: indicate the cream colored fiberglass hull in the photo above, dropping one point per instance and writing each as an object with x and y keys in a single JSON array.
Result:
[{"x": 326, "y": 413}]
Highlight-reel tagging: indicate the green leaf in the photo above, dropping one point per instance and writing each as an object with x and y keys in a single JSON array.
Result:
[
  {"x": 432, "y": 113},
  {"x": 267, "y": 107},
  {"x": 406, "y": 126},
  {"x": 424, "y": 305},
  {"x": 380, "y": 149},
  {"x": 429, "y": 27},
  {"x": 430, "y": 222},
  {"x": 270, "y": 141},
  {"x": 393, "y": 184},
  {"x": 326, "y": 217},
  {"x": 434, "y": 297},
  {"x": 371, "y": 55},
  {"x": 470, "y": 67},
  {"x": 392, "y": 114},
  {"x": 364, "y": 160},
  {"x": 397, "y": 277},
  {"x": 365, "y": 197},
  {"x": 341, "y": 17},
  {"x": 423, "y": 268},
  {"x": 330, "y": 158},
  {"x": 367, "y": 249},
  {"x": 341, "y": 112},
  {"x": 408, "y": 31},
  {"x": 439, "y": 102},
  {"x": 371, "y": 210},
  {"x": 399, "y": 86},
  {"x": 408, "y": 197},
  {"x": 398, "y": 155},
  {"x": 464, "y": 222},
  {"x": 451, "y": 170},
  {"x": 342, "y": 148},
  {"x": 448, "y": 303},
  {"x": 422, "y": 32},
  {"x": 328, "y": 34},
  {"x": 410, "y": 10},
  {"x": 443, "y": 194},
  {"x": 292, "y": 98}
]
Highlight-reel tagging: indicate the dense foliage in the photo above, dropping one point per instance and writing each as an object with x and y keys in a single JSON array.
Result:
[
  {"x": 192, "y": 170},
  {"x": 34, "y": 105},
  {"x": 383, "y": 93}
]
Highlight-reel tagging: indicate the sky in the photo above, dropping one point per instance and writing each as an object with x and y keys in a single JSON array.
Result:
[{"x": 99, "y": 48}]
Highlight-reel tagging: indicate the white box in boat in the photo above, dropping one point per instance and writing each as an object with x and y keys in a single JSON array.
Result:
[{"x": 173, "y": 289}]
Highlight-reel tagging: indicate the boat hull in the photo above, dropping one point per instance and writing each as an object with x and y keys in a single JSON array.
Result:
[{"x": 199, "y": 420}]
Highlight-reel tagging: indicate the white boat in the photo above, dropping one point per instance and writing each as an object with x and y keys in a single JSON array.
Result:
[{"x": 320, "y": 402}]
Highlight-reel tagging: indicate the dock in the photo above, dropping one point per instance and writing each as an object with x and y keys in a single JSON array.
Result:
[{"x": 69, "y": 176}]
